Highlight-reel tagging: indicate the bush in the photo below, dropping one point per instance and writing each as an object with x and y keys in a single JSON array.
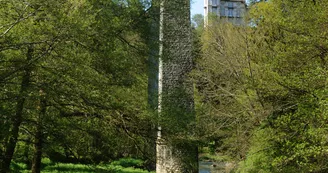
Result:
[
  {"x": 129, "y": 162},
  {"x": 259, "y": 157},
  {"x": 17, "y": 167}
]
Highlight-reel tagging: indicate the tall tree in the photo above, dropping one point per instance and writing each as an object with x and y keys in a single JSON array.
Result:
[
  {"x": 85, "y": 70},
  {"x": 16, "y": 119},
  {"x": 293, "y": 54},
  {"x": 230, "y": 107}
]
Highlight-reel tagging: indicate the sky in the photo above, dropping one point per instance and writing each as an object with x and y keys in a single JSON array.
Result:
[{"x": 197, "y": 7}]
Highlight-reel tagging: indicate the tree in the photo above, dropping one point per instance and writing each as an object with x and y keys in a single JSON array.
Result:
[
  {"x": 15, "y": 47},
  {"x": 41, "y": 43},
  {"x": 229, "y": 106},
  {"x": 291, "y": 51},
  {"x": 265, "y": 84},
  {"x": 198, "y": 21}
]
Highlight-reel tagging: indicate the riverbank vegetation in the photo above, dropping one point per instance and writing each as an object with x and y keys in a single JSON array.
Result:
[
  {"x": 125, "y": 165},
  {"x": 73, "y": 87},
  {"x": 263, "y": 87}
]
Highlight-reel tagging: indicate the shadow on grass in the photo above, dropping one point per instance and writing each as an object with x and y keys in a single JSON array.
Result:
[
  {"x": 68, "y": 168},
  {"x": 77, "y": 168}
]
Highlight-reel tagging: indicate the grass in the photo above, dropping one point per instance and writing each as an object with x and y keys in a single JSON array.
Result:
[
  {"x": 127, "y": 165},
  {"x": 129, "y": 162}
]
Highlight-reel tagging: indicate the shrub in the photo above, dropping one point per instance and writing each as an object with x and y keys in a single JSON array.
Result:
[{"x": 129, "y": 162}]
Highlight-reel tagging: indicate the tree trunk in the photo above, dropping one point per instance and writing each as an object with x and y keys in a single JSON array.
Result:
[
  {"x": 38, "y": 141},
  {"x": 17, "y": 118},
  {"x": 175, "y": 153}
]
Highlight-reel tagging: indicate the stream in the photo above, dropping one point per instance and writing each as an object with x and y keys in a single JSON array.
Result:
[{"x": 207, "y": 167}]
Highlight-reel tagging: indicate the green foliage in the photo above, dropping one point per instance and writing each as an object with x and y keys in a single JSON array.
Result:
[
  {"x": 260, "y": 154},
  {"x": 295, "y": 142},
  {"x": 128, "y": 162},
  {"x": 229, "y": 105},
  {"x": 18, "y": 167},
  {"x": 114, "y": 167},
  {"x": 265, "y": 86},
  {"x": 87, "y": 67},
  {"x": 293, "y": 81},
  {"x": 198, "y": 21}
]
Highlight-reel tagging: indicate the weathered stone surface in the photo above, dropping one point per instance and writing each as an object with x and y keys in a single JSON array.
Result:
[{"x": 175, "y": 98}]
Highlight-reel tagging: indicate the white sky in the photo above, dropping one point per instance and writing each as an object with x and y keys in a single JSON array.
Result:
[{"x": 197, "y": 7}]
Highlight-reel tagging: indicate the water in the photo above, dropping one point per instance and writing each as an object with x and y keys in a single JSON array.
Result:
[{"x": 207, "y": 167}]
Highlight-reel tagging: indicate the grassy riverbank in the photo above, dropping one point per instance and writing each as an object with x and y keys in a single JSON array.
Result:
[{"x": 121, "y": 166}]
